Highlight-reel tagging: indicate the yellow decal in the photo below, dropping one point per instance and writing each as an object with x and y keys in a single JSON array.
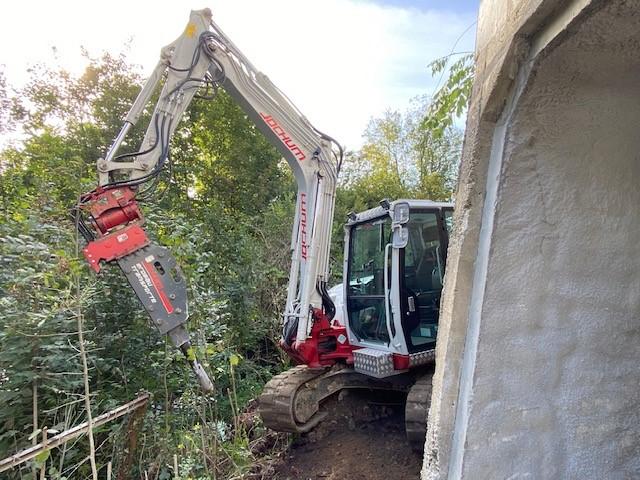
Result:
[{"x": 190, "y": 31}]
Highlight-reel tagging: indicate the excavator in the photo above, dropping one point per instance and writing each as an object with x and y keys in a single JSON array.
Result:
[{"x": 376, "y": 331}]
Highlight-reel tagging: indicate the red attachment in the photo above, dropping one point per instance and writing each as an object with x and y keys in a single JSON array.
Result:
[
  {"x": 327, "y": 345},
  {"x": 400, "y": 362},
  {"x": 113, "y": 207},
  {"x": 117, "y": 218},
  {"x": 115, "y": 245}
]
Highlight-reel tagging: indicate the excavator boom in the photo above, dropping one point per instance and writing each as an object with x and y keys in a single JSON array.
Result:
[{"x": 111, "y": 220}]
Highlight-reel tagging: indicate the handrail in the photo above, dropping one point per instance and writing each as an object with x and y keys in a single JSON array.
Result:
[{"x": 387, "y": 290}]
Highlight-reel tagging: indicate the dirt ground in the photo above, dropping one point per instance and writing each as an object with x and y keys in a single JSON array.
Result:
[{"x": 363, "y": 439}]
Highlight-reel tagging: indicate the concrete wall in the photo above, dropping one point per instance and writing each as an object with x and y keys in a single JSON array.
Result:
[{"x": 538, "y": 359}]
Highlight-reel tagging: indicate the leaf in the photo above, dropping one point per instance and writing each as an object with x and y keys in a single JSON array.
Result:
[
  {"x": 234, "y": 360},
  {"x": 191, "y": 354},
  {"x": 42, "y": 457}
]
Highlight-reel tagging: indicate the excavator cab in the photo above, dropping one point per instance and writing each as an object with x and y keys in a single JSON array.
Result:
[
  {"x": 388, "y": 306},
  {"x": 395, "y": 257}
]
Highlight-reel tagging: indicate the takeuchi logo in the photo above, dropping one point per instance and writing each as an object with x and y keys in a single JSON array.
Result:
[
  {"x": 303, "y": 225},
  {"x": 286, "y": 139}
]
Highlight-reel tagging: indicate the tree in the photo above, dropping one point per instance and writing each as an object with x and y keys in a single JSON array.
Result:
[
  {"x": 5, "y": 104},
  {"x": 452, "y": 99},
  {"x": 402, "y": 157}
]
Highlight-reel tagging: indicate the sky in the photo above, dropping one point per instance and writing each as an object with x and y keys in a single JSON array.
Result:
[{"x": 341, "y": 61}]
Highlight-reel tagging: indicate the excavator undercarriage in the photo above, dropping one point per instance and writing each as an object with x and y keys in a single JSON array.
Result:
[{"x": 295, "y": 401}]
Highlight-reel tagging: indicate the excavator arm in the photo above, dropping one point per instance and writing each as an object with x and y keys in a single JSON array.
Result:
[{"x": 111, "y": 220}]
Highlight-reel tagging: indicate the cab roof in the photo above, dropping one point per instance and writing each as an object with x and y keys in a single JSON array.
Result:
[{"x": 382, "y": 211}]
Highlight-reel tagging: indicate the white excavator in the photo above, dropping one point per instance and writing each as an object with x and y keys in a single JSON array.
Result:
[{"x": 378, "y": 329}]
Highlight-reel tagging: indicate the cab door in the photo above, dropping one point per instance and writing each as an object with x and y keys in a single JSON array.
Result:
[
  {"x": 366, "y": 293},
  {"x": 421, "y": 266}
]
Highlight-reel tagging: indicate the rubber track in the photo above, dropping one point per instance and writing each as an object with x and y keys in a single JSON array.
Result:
[
  {"x": 277, "y": 400},
  {"x": 417, "y": 410}
]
